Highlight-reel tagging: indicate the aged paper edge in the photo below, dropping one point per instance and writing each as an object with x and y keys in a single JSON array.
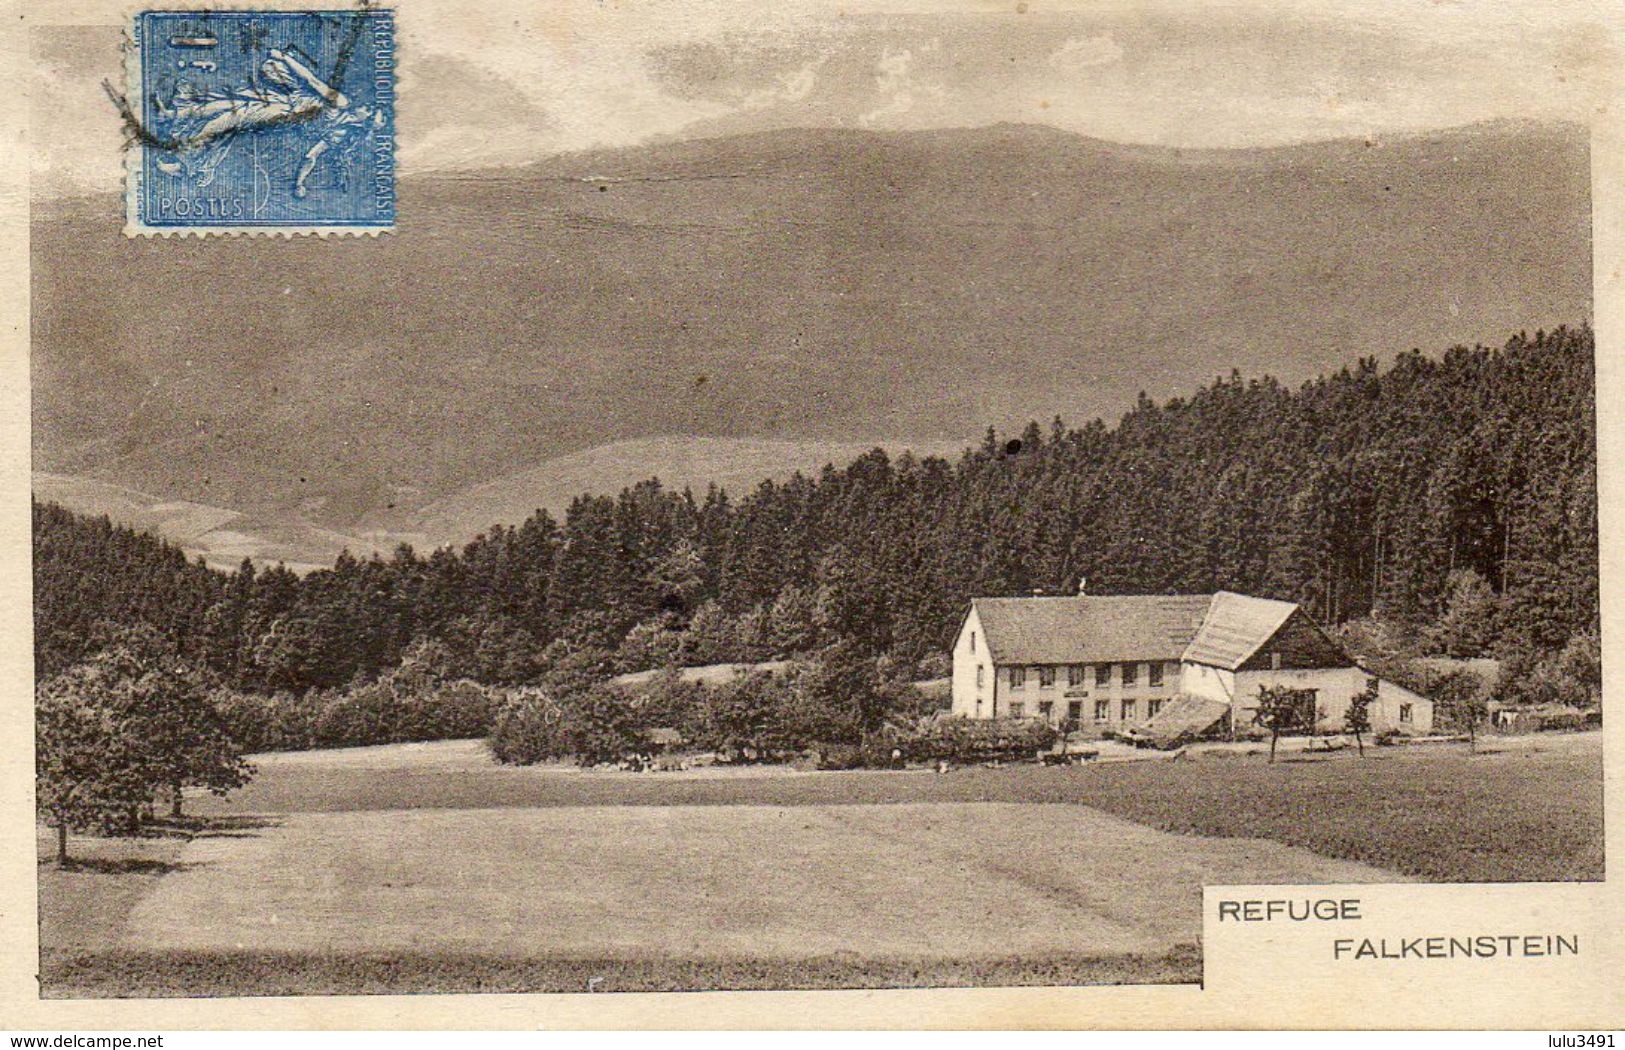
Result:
[{"x": 1476, "y": 1001}]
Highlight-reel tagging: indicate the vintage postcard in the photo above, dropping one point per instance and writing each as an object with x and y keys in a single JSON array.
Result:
[{"x": 1045, "y": 515}]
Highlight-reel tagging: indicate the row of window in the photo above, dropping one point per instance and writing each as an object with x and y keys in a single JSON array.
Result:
[
  {"x": 1078, "y": 674},
  {"x": 1128, "y": 710}
]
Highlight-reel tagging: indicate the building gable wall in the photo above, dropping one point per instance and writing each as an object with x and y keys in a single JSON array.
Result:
[
  {"x": 1211, "y": 683},
  {"x": 970, "y": 652},
  {"x": 1300, "y": 645}
]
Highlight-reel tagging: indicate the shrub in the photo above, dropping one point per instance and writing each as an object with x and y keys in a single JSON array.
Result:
[
  {"x": 354, "y": 717},
  {"x": 1565, "y": 721},
  {"x": 827, "y": 702},
  {"x": 1581, "y": 661},
  {"x": 283, "y": 721},
  {"x": 842, "y": 697},
  {"x": 1551, "y": 683},
  {"x": 597, "y": 724},
  {"x": 251, "y": 718},
  {"x": 841, "y": 756},
  {"x": 600, "y": 725},
  {"x": 404, "y": 705},
  {"x": 525, "y": 728},
  {"x": 668, "y": 701},
  {"x": 445, "y": 711},
  {"x": 979, "y": 739},
  {"x": 873, "y": 753},
  {"x": 747, "y": 712},
  {"x": 1571, "y": 677}
]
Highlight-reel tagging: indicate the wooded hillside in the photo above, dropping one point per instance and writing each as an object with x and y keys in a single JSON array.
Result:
[{"x": 1391, "y": 491}]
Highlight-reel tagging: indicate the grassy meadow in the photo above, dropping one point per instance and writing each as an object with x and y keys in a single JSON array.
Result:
[
  {"x": 427, "y": 868},
  {"x": 1518, "y": 811}
]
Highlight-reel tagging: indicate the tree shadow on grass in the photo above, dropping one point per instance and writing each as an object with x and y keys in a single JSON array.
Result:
[
  {"x": 119, "y": 865},
  {"x": 208, "y": 827}
]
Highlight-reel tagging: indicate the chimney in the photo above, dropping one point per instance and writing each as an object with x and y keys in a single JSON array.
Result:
[{"x": 1083, "y": 586}]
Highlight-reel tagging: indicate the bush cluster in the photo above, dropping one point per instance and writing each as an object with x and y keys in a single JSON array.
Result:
[
  {"x": 838, "y": 702},
  {"x": 1571, "y": 677},
  {"x": 415, "y": 701},
  {"x": 591, "y": 726},
  {"x": 978, "y": 739}
]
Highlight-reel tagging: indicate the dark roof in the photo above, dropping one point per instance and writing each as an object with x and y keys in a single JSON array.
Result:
[
  {"x": 1220, "y": 630},
  {"x": 1235, "y": 627},
  {"x": 1090, "y": 628}
]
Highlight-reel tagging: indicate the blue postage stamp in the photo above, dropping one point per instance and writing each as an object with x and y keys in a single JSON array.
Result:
[{"x": 261, "y": 121}]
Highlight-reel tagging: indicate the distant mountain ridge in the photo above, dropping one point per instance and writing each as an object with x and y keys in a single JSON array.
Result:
[
  {"x": 809, "y": 287},
  {"x": 736, "y": 465},
  {"x": 224, "y": 537}
]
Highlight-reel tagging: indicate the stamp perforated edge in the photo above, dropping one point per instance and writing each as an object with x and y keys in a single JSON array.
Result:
[{"x": 134, "y": 151}]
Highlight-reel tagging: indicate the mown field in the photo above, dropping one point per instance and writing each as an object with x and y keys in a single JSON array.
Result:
[
  {"x": 398, "y": 870},
  {"x": 1510, "y": 814},
  {"x": 795, "y": 894}
]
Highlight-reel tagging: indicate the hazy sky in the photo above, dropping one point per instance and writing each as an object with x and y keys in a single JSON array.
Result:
[{"x": 505, "y": 81}]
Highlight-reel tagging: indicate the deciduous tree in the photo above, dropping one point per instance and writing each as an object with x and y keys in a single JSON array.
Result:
[
  {"x": 113, "y": 730},
  {"x": 1283, "y": 709},
  {"x": 1357, "y": 719},
  {"x": 1458, "y": 698}
]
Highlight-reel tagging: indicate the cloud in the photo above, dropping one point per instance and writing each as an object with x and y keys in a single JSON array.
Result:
[
  {"x": 894, "y": 85},
  {"x": 1081, "y": 52},
  {"x": 76, "y": 139},
  {"x": 463, "y": 115},
  {"x": 793, "y": 85},
  {"x": 504, "y": 81}
]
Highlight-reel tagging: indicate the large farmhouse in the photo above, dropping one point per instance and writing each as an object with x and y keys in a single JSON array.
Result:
[{"x": 1107, "y": 663}]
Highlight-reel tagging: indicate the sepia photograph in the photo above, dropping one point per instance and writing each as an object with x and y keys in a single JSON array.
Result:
[{"x": 670, "y": 497}]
